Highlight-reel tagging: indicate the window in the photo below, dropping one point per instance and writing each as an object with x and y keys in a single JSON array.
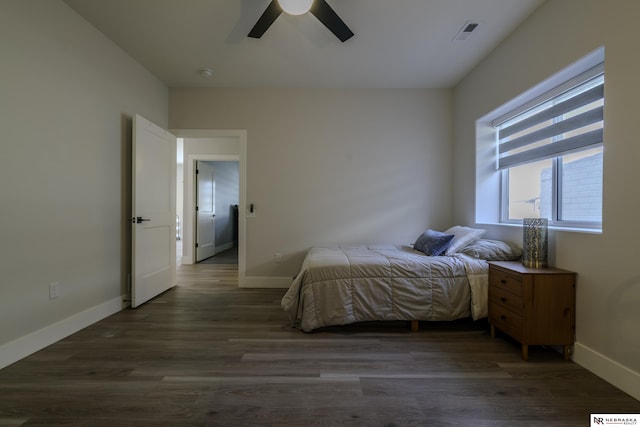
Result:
[{"x": 550, "y": 154}]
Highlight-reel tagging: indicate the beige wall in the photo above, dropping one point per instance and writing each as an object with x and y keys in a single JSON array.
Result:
[
  {"x": 608, "y": 291},
  {"x": 67, "y": 95},
  {"x": 331, "y": 166}
]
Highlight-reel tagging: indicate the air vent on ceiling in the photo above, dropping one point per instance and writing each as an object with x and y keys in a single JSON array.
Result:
[{"x": 466, "y": 30}]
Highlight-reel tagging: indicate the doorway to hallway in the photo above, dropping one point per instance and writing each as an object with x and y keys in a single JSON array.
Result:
[
  {"x": 216, "y": 207},
  {"x": 212, "y": 145}
]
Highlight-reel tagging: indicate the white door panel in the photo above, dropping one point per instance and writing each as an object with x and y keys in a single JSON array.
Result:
[
  {"x": 205, "y": 211},
  {"x": 153, "y": 219}
]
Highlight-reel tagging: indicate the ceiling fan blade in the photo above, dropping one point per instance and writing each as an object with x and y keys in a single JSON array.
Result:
[
  {"x": 331, "y": 20},
  {"x": 268, "y": 16}
]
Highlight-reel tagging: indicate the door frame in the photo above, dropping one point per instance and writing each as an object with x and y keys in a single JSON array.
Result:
[{"x": 189, "y": 185}]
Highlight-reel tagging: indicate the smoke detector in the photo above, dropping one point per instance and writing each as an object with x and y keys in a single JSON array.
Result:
[{"x": 205, "y": 73}]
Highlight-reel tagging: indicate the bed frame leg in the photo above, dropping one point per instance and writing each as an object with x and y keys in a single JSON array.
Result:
[{"x": 415, "y": 325}]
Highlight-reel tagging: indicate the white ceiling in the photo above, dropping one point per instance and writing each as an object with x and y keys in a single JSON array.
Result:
[{"x": 397, "y": 43}]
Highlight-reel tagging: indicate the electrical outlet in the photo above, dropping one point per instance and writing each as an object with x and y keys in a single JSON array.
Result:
[{"x": 54, "y": 290}]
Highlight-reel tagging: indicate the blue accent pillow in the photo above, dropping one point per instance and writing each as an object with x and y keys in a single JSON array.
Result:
[{"x": 433, "y": 243}]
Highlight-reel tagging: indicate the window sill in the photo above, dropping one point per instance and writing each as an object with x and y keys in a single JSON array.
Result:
[{"x": 551, "y": 227}]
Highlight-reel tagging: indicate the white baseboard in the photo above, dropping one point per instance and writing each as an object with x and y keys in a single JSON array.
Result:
[
  {"x": 609, "y": 370},
  {"x": 22, "y": 347},
  {"x": 266, "y": 282},
  {"x": 224, "y": 247}
]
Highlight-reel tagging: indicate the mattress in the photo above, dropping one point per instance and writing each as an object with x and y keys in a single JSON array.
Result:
[{"x": 346, "y": 284}]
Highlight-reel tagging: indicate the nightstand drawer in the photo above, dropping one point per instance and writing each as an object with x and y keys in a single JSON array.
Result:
[
  {"x": 499, "y": 296},
  {"x": 506, "y": 320},
  {"x": 508, "y": 282}
]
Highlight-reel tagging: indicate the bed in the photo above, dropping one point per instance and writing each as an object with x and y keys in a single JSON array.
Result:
[{"x": 340, "y": 285}]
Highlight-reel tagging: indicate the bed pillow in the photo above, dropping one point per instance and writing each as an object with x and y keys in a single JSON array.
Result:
[
  {"x": 493, "y": 250},
  {"x": 433, "y": 243},
  {"x": 462, "y": 237}
]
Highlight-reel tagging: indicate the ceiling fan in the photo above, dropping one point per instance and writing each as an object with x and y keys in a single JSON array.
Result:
[{"x": 319, "y": 8}]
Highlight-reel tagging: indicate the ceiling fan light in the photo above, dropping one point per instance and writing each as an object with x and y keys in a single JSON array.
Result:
[{"x": 295, "y": 7}]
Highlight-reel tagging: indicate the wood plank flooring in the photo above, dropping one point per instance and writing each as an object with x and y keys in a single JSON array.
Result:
[{"x": 207, "y": 353}]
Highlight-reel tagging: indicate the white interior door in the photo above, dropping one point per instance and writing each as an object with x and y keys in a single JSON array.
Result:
[
  {"x": 205, "y": 211},
  {"x": 154, "y": 211}
]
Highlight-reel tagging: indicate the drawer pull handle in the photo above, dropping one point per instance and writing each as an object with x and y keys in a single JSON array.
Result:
[
  {"x": 503, "y": 317},
  {"x": 503, "y": 281},
  {"x": 503, "y": 299}
]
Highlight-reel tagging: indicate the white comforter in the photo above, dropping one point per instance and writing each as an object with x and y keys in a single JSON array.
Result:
[{"x": 342, "y": 285}]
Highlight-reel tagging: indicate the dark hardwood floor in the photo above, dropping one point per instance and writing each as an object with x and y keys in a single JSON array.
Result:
[{"x": 207, "y": 353}]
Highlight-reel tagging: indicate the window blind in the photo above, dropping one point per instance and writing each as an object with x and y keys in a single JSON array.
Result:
[{"x": 563, "y": 122}]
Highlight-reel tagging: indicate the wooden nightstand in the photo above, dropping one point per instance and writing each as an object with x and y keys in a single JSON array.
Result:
[{"x": 535, "y": 306}]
